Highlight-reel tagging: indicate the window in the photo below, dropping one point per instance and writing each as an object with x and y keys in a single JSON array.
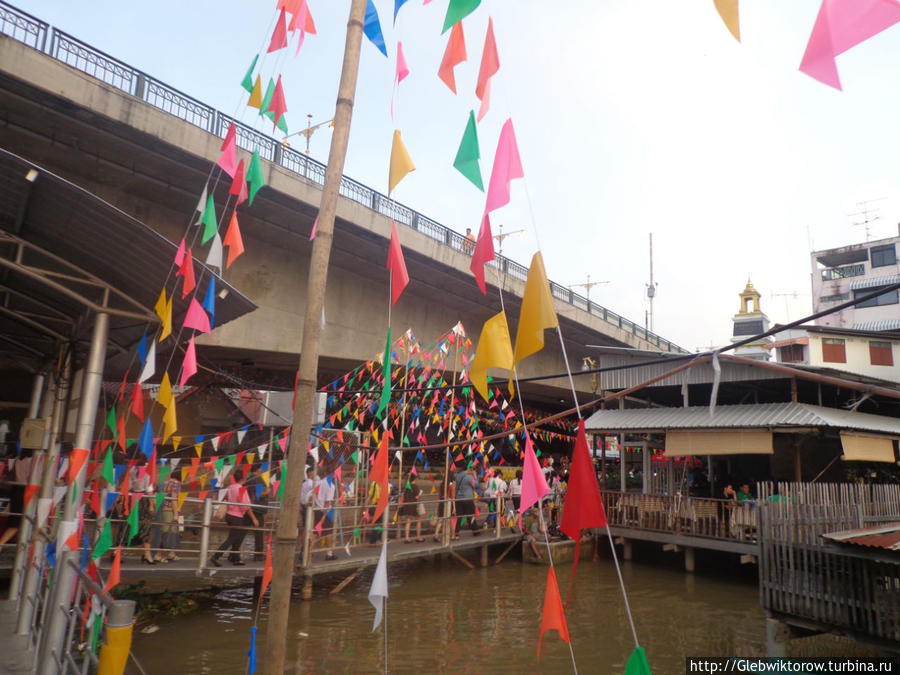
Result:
[
  {"x": 791, "y": 354},
  {"x": 839, "y": 297},
  {"x": 881, "y": 354},
  {"x": 833, "y": 350},
  {"x": 748, "y": 327},
  {"x": 889, "y": 298},
  {"x": 882, "y": 256}
]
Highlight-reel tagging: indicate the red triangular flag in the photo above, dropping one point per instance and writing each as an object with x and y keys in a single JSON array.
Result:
[
  {"x": 228, "y": 158},
  {"x": 490, "y": 64},
  {"x": 483, "y": 253},
  {"x": 238, "y": 180},
  {"x": 151, "y": 466},
  {"x": 583, "y": 506},
  {"x": 137, "y": 401},
  {"x": 95, "y": 499},
  {"x": 553, "y": 617},
  {"x": 115, "y": 572},
  {"x": 120, "y": 432},
  {"x": 30, "y": 492},
  {"x": 230, "y": 136},
  {"x": 233, "y": 240},
  {"x": 278, "y": 104},
  {"x": 453, "y": 56},
  {"x": 187, "y": 271},
  {"x": 397, "y": 266},
  {"x": 279, "y": 35},
  {"x": 379, "y": 474},
  {"x": 76, "y": 461}
]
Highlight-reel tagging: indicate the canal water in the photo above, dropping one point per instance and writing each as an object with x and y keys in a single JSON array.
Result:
[{"x": 443, "y": 618}]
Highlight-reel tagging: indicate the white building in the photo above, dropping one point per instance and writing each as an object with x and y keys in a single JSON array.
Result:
[
  {"x": 873, "y": 354},
  {"x": 841, "y": 274}
]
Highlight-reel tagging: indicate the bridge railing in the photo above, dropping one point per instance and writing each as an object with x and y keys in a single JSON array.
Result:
[{"x": 69, "y": 50}]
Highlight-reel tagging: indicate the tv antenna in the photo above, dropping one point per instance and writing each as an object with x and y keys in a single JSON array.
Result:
[
  {"x": 869, "y": 215},
  {"x": 588, "y": 285},
  {"x": 651, "y": 291}
]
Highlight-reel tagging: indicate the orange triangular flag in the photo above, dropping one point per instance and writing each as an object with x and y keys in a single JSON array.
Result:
[
  {"x": 233, "y": 240},
  {"x": 115, "y": 572},
  {"x": 379, "y": 474},
  {"x": 553, "y": 617},
  {"x": 76, "y": 461},
  {"x": 120, "y": 432},
  {"x": 137, "y": 401},
  {"x": 30, "y": 492},
  {"x": 187, "y": 271},
  {"x": 453, "y": 56},
  {"x": 267, "y": 571}
]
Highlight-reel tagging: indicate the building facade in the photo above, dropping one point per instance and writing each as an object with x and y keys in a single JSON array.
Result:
[
  {"x": 750, "y": 321},
  {"x": 842, "y": 274}
]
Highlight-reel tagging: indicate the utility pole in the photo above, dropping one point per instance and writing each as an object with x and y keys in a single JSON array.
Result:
[
  {"x": 285, "y": 548},
  {"x": 651, "y": 287}
]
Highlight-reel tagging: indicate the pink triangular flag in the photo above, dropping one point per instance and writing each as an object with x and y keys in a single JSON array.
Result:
[
  {"x": 279, "y": 35},
  {"x": 312, "y": 234},
  {"x": 507, "y": 166},
  {"x": 483, "y": 253},
  {"x": 278, "y": 104},
  {"x": 402, "y": 68},
  {"x": 397, "y": 266},
  {"x": 196, "y": 318},
  {"x": 534, "y": 485},
  {"x": 189, "y": 365},
  {"x": 490, "y": 64},
  {"x": 840, "y": 25},
  {"x": 179, "y": 256},
  {"x": 228, "y": 158}
]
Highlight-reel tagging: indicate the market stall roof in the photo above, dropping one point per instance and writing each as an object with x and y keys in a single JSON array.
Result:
[
  {"x": 65, "y": 253},
  {"x": 771, "y": 416},
  {"x": 885, "y": 536}
]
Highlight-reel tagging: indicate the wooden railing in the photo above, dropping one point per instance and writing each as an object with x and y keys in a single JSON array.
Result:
[{"x": 678, "y": 514}]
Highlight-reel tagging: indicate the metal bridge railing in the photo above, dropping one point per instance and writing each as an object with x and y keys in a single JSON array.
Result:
[{"x": 69, "y": 50}]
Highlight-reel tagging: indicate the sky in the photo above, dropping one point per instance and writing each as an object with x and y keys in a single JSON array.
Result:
[{"x": 632, "y": 117}]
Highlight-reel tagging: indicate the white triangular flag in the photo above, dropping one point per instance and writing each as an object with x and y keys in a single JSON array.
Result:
[
  {"x": 215, "y": 440},
  {"x": 378, "y": 591},
  {"x": 43, "y": 510},
  {"x": 214, "y": 257},
  {"x": 150, "y": 365},
  {"x": 200, "y": 208},
  {"x": 261, "y": 449},
  {"x": 240, "y": 435}
]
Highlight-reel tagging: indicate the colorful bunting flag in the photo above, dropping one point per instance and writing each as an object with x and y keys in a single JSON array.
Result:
[
  {"x": 209, "y": 302},
  {"x": 402, "y": 68},
  {"x": 255, "y": 176},
  {"x": 247, "y": 82},
  {"x": 379, "y": 476},
  {"x": 397, "y": 266},
  {"x": 189, "y": 365},
  {"x": 534, "y": 485},
  {"x": 454, "y": 54},
  {"x": 397, "y": 5},
  {"x": 255, "y": 100},
  {"x": 494, "y": 351},
  {"x": 196, "y": 318},
  {"x": 215, "y": 253},
  {"x": 104, "y": 543},
  {"x": 209, "y": 220},
  {"x": 637, "y": 663},
  {"x": 537, "y": 312},
  {"x": 552, "y": 617},
  {"x": 187, "y": 273},
  {"x": 149, "y": 365},
  {"x": 467, "y": 156},
  {"x": 386, "y": 374},
  {"x": 490, "y": 64},
  {"x": 458, "y": 10},
  {"x": 372, "y": 28},
  {"x": 228, "y": 159},
  {"x": 401, "y": 163},
  {"x": 277, "y": 105},
  {"x": 233, "y": 240},
  {"x": 728, "y": 10},
  {"x": 279, "y": 34},
  {"x": 378, "y": 591}
]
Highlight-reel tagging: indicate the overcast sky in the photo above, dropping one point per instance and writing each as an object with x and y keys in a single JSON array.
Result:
[{"x": 632, "y": 117}]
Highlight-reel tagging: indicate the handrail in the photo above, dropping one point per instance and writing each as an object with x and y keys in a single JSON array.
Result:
[{"x": 96, "y": 63}]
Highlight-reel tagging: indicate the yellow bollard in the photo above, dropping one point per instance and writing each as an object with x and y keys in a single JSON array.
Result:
[{"x": 114, "y": 652}]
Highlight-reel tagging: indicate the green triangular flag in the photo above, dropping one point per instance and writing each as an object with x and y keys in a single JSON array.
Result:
[
  {"x": 164, "y": 471},
  {"x": 160, "y": 496},
  {"x": 111, "y": 421},
  {"x": 133, "y": 520},
  {"x": 104, "y": 543},
  {"x": 355, "y": 457},
  {"x": 458, "y": 10},
  {"x": 247, "y": 82},
  {"x": 231, "y": 459},
  {"x": 356, "y": 532},
  {"x": 255, "y": 175},
  {"x": 386, "y": 374},
  {"x": 467, "y": 156},
  {"x": 209, "y": 220},
  {"x": 280, "y": 490},
  {"x": 267, "y": 99},
  {"x": 408, "y": 485},
  {"x": 219, "y": 464},
  {"x": 637, "y": 663},
  {"x": 109, "y": 473},
  {"x": 281, "y": 123}
]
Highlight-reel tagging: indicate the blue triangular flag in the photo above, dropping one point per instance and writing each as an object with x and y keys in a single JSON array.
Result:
[
  {"x": 51, "y": 554},
  {"x": 145, "y": 442},
  {"x": 259, "y": 489},
  {"x": 84, "y": 552},
  {"x": 199, "y": 439},
  {"x": 142, "y": 348},
  {"x": 119, "y": 470},
  {"x": 209, "y": 302},
  {"x": 111, "y": 498},
  {"x": 397, "y": 5},
  {"x": 372, "y": 28},
  {"x": 251, "y": 655}
]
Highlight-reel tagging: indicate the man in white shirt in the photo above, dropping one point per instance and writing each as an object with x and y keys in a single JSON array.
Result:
[{"x": 324, "y": 500}]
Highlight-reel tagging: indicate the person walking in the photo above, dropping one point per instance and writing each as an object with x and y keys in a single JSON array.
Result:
[
  {"x": 259, "y": 493},
  {"x": 409, "y": 509},
  {"x": 465, "y": 501},
  {"x": 238, "y": 507}
]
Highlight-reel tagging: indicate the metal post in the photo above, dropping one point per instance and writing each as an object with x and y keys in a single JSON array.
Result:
[
  {"x": 286, "y": 535},
  {"x": 204, "y": 534},
  {"x": 25, "y": 528},
  {"x": 37, "y": 390},
  {"x": 84, "y": 431}
]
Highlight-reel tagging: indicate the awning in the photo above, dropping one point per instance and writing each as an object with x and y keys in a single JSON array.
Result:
[
  {"x": 867, "y": 448},
  {"x": 789, "y": 341},
  {"x": 874, "y": 282},
  {"x": 732, "y": 442}
]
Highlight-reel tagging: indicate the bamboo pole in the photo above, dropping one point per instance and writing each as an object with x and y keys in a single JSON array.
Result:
[
  {"x": 286, "y": 535},
  {"x": 448, "y": 507}
]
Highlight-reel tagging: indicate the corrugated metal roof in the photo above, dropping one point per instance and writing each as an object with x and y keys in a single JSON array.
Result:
[
  {"x": 630, "y": 375},
  {"x": 884, "y": 324},
  {"x": 756, "y": 415},
  {"x": 885, "y": 537},
  {"x": 874, "y": 282}
]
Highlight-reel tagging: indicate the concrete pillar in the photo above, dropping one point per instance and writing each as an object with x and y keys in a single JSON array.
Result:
[
  {"x": 37, "y": 390},
  {"x": 307, "y": 589},
  {"x": 64, "y": 581},
  {"x": 777, "y": 637},
  {"x": 689, "y": 563},
  {"x": 626, "y": 550}
]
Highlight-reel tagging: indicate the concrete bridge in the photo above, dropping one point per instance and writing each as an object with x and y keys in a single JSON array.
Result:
[{"x": 148, "y": 149}]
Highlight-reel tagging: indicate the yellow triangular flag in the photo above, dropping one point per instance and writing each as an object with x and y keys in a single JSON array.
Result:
[
  {"x": 164, "y": 396},
  {"x": 160, "y": 306},
  {"x": 203, "y": 478},
  {"x": 170, "y": 426},
  {"x": 198, "y": 448},
  {"x": 537, "y": 313},
  {"x": 728, "y": 10},
  {"x": 256, "y": 95},
  {"x": 176, "y": 441},
  {"x": 181, "y": 496},
  {"x": 401, "y": 164},
  {"x": 494, "y": 351},
  {"x": 163, "y": 309},
  {"x": 266, "y": 478},
  {"x": 250, "y": 457}
]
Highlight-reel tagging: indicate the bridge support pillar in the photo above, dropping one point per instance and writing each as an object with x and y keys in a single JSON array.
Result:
[
  {"x": 626, "y": 550},
  {"x": 689, "y": 561},
  {"x": 778, "y": 634},
  {"x": 306, "y": 590},
  {"x": 484, "y": 556}
]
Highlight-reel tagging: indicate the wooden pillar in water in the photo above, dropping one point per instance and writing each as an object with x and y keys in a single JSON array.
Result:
[
  {"x": 689, "y": 561},
  {"x": 626, "y": 550},
  {"x": 306, "y": 590},
  {"x": 484, "y": 556}
]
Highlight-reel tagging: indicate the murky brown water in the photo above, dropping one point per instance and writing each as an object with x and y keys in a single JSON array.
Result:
[{"x": 443, "y": 618}]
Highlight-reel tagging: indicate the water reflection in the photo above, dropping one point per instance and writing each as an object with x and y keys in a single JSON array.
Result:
[{"x": 443, "y": 618}]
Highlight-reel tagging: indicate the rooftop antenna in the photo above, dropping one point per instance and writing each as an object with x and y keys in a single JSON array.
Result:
[
  {"x": 792, "y": 294},
  {"x": 651, "y": 291},
  {"x": 588, "y": 285},
  {"x": 869, "y": 215}
]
